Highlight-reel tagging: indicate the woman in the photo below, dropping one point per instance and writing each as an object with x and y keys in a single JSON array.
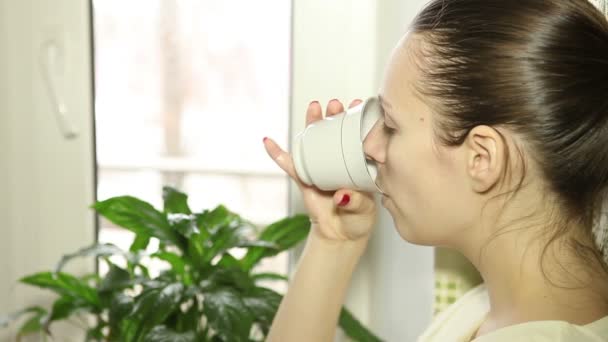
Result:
[{"x": 494, "y": 143}]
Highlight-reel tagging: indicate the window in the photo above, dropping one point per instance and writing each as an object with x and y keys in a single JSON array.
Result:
[{"x": 185, "y": 92}]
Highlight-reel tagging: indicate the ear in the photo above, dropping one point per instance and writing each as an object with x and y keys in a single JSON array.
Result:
[{"x": 485, "y": 157}]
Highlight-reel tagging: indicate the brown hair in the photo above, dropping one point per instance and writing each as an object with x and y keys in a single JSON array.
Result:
[{"x": 538, "y": 67}]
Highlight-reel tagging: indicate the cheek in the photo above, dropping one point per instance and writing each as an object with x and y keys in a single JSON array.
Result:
[{"x": 423, "y": 203}]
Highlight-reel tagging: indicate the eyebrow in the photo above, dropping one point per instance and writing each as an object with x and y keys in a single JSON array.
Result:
[{"x": 386, "y": 105}]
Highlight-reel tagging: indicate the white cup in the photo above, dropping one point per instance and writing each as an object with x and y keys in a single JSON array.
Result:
[{"x": 329, "y": 153}]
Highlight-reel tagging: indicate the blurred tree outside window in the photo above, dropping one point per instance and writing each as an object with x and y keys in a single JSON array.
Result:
[{"x": 185, "y": 92}]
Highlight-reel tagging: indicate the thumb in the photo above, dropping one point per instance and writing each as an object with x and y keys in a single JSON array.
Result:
[{"x": 351, "y": 200}]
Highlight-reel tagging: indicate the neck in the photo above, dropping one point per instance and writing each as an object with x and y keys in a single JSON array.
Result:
[{"x": 521, "y": 290}]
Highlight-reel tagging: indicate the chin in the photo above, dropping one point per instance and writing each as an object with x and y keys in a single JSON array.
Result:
[{"x": 415, "y": 236}]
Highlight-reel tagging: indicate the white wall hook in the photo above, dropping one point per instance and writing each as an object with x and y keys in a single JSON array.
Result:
[{"x": 51, "y": 62}]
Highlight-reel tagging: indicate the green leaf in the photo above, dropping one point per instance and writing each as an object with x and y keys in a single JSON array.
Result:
[
  {"x": 178, "y": 265},
  {"x": 200, "y": 244},
  {"x": 116, "y": 279},
  {"x": 95, "y": 334},
  {"x": 220, "y": 230},
  {"x": 354, "y": 329},
  {"x": 120, "y": 307},
  {"x": 153, "y": 306},
  {"x": 32, "y": 325},
  {"x": 191, "y": 319},
  {"x": 268, "y": 276},
  {"x": 129, "y": 329},
  {"x": 183, "y": 224},
  {"x": 258, "y": 243},
  {"x": 263, "y": 303},
  {"x": 144, "y": 271},
  {"x": 91, "y": 277},
  {"x": 227, "y": 277},
  {"x": 196, "y": 251},
  {"x": 285, "y": 233},
  {"x": 5, "y": 320},
  {"x": 227, "y": 314},
  {"x": 219, "y": 217},
  {"x": 222, "y": 240},
  {"x": 140, "y": 242},
  {"x": 228, "y": 261},
  {"x": 175, "y": 201},
  {"x": 137, "y": 216},
  {"x": 97, "y": 250},
  {"x": 64, "y": 307},
  {"x": 163, "y": 334},
  {"x": 64, "y": 284}
]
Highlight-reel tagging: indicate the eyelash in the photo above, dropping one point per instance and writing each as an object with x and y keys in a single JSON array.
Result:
[{"x": 389, "y": 130}]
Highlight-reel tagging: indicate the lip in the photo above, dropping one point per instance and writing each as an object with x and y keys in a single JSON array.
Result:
[
  {"x": 384, "y": 199},
  {"x": 386, "y": 203},
  {"x": 382, "y": 192},
  {"x": 380, "y": 185}
]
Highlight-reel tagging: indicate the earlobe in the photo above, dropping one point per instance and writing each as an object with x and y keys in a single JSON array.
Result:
[{"x": 485, "y": 157}]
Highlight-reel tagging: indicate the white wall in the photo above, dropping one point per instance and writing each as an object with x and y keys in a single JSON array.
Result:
[
  {"x": 46, "y": 181},
  {"x": 340, "y": 49},
  {"x": 333, "y": 57},
  {"x": 402, "y": 274}
]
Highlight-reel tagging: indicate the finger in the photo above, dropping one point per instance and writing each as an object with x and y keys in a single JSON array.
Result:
[
  {"x": 283, "y": 159},
  {"x": 334, "y": 107},
  {"x": 313, "y": 113},
  {"x": 353, "y": 201},
  {"x": 355, "y": 102}
]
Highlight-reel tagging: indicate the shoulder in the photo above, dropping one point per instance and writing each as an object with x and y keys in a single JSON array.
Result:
[
  {"x": 542, "y": 331},
  {"x": 460, "y": 320}
]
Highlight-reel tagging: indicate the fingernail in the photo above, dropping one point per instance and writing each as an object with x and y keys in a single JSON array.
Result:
[
  {"x": 333, "y": 100},
  {"x": 345, "y": 200},
  {"x": 265, "y": 138},
  {"x": 313, "y": 102}
]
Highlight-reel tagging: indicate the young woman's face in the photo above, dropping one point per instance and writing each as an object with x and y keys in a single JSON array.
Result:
[{"x": 425, "y": 182}]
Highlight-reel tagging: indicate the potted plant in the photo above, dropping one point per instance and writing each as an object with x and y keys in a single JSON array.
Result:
[{"x": 207, "y": 294}]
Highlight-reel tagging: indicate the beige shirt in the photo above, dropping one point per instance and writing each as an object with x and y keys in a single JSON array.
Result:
[{"x": 460, "y": 321}]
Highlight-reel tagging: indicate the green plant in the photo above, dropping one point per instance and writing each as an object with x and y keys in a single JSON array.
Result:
[{"x": 207, "y": 294}]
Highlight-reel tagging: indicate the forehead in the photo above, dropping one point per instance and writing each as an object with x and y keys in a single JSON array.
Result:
[{"x": 401, "y": 73}]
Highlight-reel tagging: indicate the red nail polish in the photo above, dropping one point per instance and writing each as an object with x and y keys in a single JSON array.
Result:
[{"x": 345, "y": 200}]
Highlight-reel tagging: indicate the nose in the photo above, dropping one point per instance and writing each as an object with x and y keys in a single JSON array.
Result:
[{"x": 374, "y": 145}]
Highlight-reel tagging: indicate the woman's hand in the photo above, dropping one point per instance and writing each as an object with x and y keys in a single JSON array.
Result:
[{"x": 330, "y": 220}]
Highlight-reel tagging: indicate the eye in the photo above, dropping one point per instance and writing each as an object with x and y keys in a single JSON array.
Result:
[{"x": 387, "y": 129}]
